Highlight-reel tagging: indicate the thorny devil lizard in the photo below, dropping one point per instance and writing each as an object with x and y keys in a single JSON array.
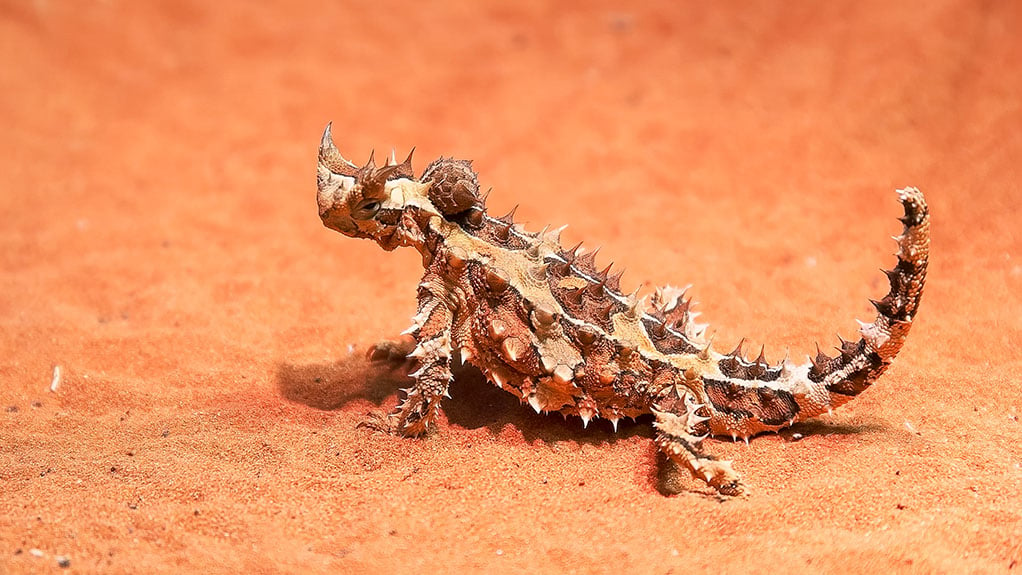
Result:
[{"x": 542, "y": 322}]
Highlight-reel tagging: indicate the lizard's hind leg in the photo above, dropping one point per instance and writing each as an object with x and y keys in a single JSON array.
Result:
[{"x": 680, "y": 432}]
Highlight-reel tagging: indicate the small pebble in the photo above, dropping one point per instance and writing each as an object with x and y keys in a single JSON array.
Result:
[
  {"x": 36, "y": 552},
  {"x": 63, "y": 562},
  {"x": 55, "y": 382}
]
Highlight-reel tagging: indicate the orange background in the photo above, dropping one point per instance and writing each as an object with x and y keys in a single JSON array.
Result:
[{"x": 160, "y": 243}]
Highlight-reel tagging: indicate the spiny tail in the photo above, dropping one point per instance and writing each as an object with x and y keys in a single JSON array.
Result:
[
  {"x": 751, "y": 397},
  {"x": 862, "y": 362}
]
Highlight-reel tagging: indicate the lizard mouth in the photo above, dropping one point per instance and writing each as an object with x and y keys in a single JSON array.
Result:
[
  {"x": 400, "y": 235},
  {"x": 392, "y": 240},
  {"x": 340, "y": 223}
]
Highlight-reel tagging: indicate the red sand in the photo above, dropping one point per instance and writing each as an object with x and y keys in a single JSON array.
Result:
[{"x": 161, "y": 245}]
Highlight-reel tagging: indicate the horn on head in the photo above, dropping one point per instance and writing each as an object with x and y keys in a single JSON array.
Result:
[{"x": 330, "y": 157}]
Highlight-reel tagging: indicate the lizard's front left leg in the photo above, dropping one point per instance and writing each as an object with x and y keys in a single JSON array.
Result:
[{"x": 431, "y": 329}]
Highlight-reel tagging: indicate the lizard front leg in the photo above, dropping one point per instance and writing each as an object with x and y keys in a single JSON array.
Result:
[
  {"x": 680, "y": 432},
  {"x": 431, "y": 334}
]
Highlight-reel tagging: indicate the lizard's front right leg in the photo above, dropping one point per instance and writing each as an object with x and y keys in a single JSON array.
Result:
[
  {"x": 431, "y": 332},
  {"x": 680, "y": 430}
]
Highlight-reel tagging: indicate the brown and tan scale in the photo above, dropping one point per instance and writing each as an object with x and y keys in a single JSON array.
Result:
[{"x": 544, "y": 323}]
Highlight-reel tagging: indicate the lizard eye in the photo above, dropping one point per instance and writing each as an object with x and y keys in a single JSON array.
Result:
[{"x": 366, "y": 210}]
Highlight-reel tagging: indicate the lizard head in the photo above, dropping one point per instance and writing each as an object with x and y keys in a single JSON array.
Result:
[{"x": 385, "y": 204}]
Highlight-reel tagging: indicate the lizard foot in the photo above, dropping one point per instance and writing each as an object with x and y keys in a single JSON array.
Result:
[
  {"x": 392, "y": 424},
  {"x": 378, "y": 421},
  {"x": 394, "y": 353},
  {"x": 720, "y": 476}
]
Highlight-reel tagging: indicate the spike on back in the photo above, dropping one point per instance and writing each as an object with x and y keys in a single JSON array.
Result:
[
  {"x": 508, "y": 219},
  {"x": 586, "y": 262}
]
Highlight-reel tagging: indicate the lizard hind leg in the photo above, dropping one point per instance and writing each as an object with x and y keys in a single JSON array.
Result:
[{"x": 680, "y": 431}]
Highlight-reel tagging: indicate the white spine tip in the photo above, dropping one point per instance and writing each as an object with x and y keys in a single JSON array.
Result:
[{"x": 534, "y": 402}]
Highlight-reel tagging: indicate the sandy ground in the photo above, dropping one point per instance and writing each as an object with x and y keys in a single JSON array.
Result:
[{"x": 160, "y": 244}]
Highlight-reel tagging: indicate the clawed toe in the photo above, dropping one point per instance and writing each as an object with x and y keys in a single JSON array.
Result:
[
  {"x": 394, "y": 353},
  {"x": 377, "y": 421},
  {"x": 391, "y": 424},
  {"x": 721, "y": 476}
]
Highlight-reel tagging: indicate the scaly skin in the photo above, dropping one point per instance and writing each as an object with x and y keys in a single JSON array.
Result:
[{"x": 543, "y": 323}]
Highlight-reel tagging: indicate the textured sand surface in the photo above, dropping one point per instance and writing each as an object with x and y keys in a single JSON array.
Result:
[{"x": 160, "y": 244}]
